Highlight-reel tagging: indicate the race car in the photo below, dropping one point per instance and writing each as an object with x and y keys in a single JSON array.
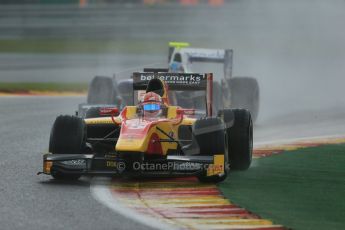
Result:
[
  {"x": 230, "y": 92},
  {"x": 103, "y": 92},
  {"x": 153, "y": 137}
]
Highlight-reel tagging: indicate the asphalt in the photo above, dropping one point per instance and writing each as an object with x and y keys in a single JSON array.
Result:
[
  {"x": 309, "y": 123},
  {"x": 33, "y": 202},
  {"x": 29, "y": 201}
]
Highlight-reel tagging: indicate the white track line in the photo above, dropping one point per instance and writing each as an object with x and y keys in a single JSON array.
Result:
[
  {"x": 100, "y": 191},
  {"x": 293, "y": 140}
]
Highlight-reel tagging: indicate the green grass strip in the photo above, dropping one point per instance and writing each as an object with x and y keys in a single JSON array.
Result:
[
  {"x": 302, "y": 189},
  {"x": 14, "y": 87}
]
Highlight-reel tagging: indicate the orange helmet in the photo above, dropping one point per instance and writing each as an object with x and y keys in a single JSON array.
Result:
[
  {"x": 152, "y": 97},
  {"x": 152, "y": 105}
]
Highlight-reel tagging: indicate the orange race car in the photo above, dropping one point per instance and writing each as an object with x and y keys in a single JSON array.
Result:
[{"x": 155, "y": 137}]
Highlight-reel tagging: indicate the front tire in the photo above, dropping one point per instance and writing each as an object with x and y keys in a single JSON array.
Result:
[
  {"x": 240, "y": 137},
  {"x": 68, "y": 136}
]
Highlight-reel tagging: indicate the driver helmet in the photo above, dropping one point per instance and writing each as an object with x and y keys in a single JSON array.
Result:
[
  {"x": 176, "y": 67},
  {"x": 176, "y": 64},
  {"x": 152, "y": 105}
]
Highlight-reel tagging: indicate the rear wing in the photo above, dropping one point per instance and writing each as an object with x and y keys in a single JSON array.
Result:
[
  {"x": 224, "y": 56},
  {"x": 176, "y": 82}
]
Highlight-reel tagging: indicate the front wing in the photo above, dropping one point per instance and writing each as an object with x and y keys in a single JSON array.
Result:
[{"x": 171, "y": 166}]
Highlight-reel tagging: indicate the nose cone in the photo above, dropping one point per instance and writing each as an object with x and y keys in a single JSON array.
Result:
[{"x": 134, "y": 136}]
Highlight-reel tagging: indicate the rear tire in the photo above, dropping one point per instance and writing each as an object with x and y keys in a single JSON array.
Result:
[
  {"x": 240, "y": 137},
  {"x": 68, "y": 136},
  {"x": 245, "y": 94},
  {"x": 217, "y": 97},
  {"x": 210, "y": 138},
  {"x": 125, "y": 89},
  {"x": 102, "y": 90}
]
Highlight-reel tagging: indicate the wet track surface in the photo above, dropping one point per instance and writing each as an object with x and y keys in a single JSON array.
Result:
[{"x": 35, "y": 202}]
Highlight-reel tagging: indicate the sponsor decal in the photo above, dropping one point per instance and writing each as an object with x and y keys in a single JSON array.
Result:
[
  {"x": 185, "y": 79},
  {"x": 204, "y": 53},
  {"x": 111, "y": 164},
  {"x": 80, "y": 162}
]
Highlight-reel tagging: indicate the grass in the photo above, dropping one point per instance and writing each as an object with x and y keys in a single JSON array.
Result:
[
  {"x": 24, "y": 87},
  {"x": 302, "y": 189}
]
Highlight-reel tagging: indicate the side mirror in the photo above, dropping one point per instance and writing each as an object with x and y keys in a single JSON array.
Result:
[
  {"x": 109, "y": 111},
  {"x": 185, "y": 111}
]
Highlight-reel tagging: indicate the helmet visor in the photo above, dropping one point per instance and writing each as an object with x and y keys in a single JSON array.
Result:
[{"x": 152, "y": 107}]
